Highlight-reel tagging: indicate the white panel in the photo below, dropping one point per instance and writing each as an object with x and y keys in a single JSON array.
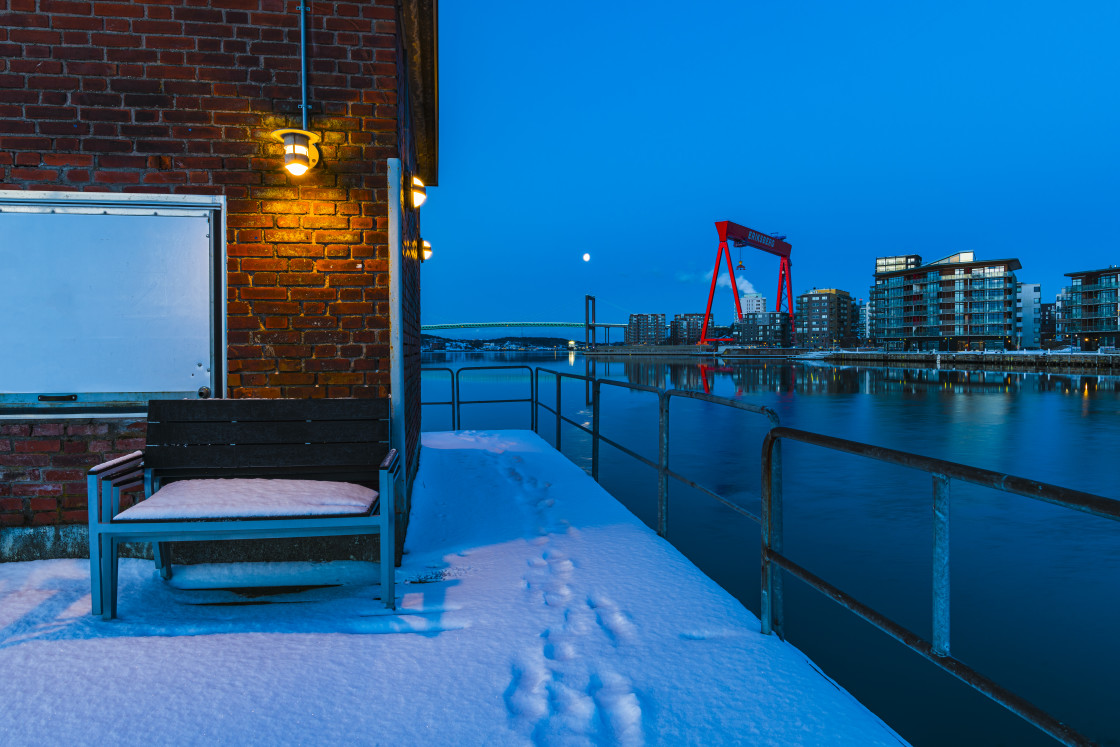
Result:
[{"x": 104, "y": 302}]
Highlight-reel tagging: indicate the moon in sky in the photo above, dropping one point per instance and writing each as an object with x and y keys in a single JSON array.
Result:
[{"x": 587, "y": 258}]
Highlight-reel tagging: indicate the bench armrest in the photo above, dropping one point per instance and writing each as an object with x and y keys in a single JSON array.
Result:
[
  {"x": 106, "y": 481},
  {"x": 390, "y": 461},
  {"x": 118, "y": 462}
]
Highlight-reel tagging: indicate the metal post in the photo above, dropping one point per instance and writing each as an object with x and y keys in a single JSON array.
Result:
[
  {"x": 772, "y": 612},
  {"x": 940, "y": 565},
  {"x": 595, "y": 431},
  {"x": 663, "y": 465},
  {"x": 454, "y": 403},
  {"x": 303, "y": 61},
  {"x": 558, "y": 411},
  {"x": 397, "y": 399},
  {"x": 533, "y": 403}
]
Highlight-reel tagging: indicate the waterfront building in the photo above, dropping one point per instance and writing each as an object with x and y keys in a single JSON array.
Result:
[
  {"x": 645, "y": 329},
  {"x": 897, "y": 262},
  {"x": 685, "y": 329},
  {"x": 1089, "y": 318},
  {"x": 1046, "y": 326},
  {"x": 752, "y": 302},
  {"x": 954, "y": 303},
  {"x": 1028, "y": 312},
  {"x": 863, "y": 320},
  {"x": 825, "y": 317},
  {"x": 763, "y": 329}
]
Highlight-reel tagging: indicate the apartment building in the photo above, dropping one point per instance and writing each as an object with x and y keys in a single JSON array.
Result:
[
  {"x": 763, "y": 329},
  {"x": 685, "y": 329},
  {"x": 1089, "y": 317},
  {"x": 825, "y": 317},
  {"x": 954, "y": 303},
  {"x": 1028, "y": 316},
  {"x": 646, "y": 329}
]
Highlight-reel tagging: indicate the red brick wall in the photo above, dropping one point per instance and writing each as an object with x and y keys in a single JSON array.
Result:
[
  {"x": 43, "y": 466},
  {"x": 178, "y": 96}
]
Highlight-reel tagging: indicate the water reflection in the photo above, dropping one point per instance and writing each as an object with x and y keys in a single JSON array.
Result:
[{"x": 815, "y": 378}]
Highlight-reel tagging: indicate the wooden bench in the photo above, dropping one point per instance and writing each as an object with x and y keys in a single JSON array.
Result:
[{"x": 246, "y": 469}]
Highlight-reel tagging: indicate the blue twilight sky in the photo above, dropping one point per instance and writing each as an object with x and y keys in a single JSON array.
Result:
[{"x": 626, "y": 129}]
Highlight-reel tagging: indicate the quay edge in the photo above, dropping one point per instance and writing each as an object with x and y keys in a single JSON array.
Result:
[{"x": 1042, "y": 362}]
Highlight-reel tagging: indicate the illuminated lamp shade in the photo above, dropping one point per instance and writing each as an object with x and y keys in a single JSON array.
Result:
[
  {"x": 300, "y": 153},
  {"x": 425, "y": 251},
  {"x": 419, "y": 194}
]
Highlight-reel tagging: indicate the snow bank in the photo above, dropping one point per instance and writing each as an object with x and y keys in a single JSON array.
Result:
[{"x": 534, "y": 609}]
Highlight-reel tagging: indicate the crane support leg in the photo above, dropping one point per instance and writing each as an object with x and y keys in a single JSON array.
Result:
[
  {"x": 786, "y": 286},
  {"x": 722, "y": 253}
]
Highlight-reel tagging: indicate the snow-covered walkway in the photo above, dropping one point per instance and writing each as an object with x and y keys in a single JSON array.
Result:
[{"x": 533, "y": 609}]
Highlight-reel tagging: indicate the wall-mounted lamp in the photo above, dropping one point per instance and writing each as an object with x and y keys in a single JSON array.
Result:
[
  {"x": 419, "y": 193},
  {"x": 300, "y": 153},
  {"x": 425, "y": 250}
]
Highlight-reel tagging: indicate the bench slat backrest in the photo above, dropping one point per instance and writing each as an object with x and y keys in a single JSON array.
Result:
[{"x": 231, "y": 437}]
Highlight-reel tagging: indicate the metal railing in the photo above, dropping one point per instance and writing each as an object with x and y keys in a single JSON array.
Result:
[
  {"x": 454, "y": 392},
  {"x": 943, "y": 472},
  {"x": 459, "y": 401},
  {"x": 664, "y": 398}
]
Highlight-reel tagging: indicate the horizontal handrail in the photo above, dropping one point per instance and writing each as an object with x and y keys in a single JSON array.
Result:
[
  {"x": 1089, "y": 503},
  {"x": 531, "y": 399},
  {"x": 726, "y": 402}
]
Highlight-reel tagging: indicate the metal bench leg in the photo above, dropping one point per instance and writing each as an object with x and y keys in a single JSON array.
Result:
[
  {"x": 161, "y": 551},
  {"x": 93, "y": 505},
  {"x": 95, "y": 553},
  {"x": 388, "y": 557},
  {"x": 106, "y": 579},
  {"x": 109, "y": 578},
  {"x": 388, "y": 521}
]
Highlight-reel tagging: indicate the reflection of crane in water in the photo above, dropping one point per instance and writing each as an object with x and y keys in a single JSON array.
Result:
[{"x": 706, "y": 369}]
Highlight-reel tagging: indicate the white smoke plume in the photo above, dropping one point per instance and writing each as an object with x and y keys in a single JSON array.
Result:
[{"x": 743, "y": 285}]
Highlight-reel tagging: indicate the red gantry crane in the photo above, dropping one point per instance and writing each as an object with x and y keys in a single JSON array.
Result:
[{"x": 742, "y": 236}]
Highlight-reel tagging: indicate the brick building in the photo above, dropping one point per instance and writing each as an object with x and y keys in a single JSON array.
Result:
[
  {"x": 645, "y": 329},
  {"x": 764, "y": 329},
  {"x": 178, "y": 98},
  {"x": 826, "y": 317},
  {"x": 685, "y": 329}
]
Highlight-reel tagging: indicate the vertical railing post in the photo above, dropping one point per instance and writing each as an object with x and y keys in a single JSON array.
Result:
[
  {"x": 454, "y": 403},
  {"x": 595, "y": 430},
  {"x": 940, "y": 565},
  {"x": 534, "y": 388},
  {"x": 663, "y": 464},
  {"x": 558, "y": 411},
  {"x": 772, "y": 607}
]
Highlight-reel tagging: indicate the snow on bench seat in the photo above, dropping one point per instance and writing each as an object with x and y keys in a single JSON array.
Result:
[{"x": 250, "y": 498}]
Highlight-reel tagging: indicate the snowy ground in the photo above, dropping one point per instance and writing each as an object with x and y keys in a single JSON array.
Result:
[{"x": 534, "y": 609}]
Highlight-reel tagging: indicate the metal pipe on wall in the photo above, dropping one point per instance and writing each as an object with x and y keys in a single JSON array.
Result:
[{"x": 303, "y": 60}]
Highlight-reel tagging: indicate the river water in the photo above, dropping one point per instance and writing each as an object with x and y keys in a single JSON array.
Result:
[{"x": 1035, "y": 588}]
